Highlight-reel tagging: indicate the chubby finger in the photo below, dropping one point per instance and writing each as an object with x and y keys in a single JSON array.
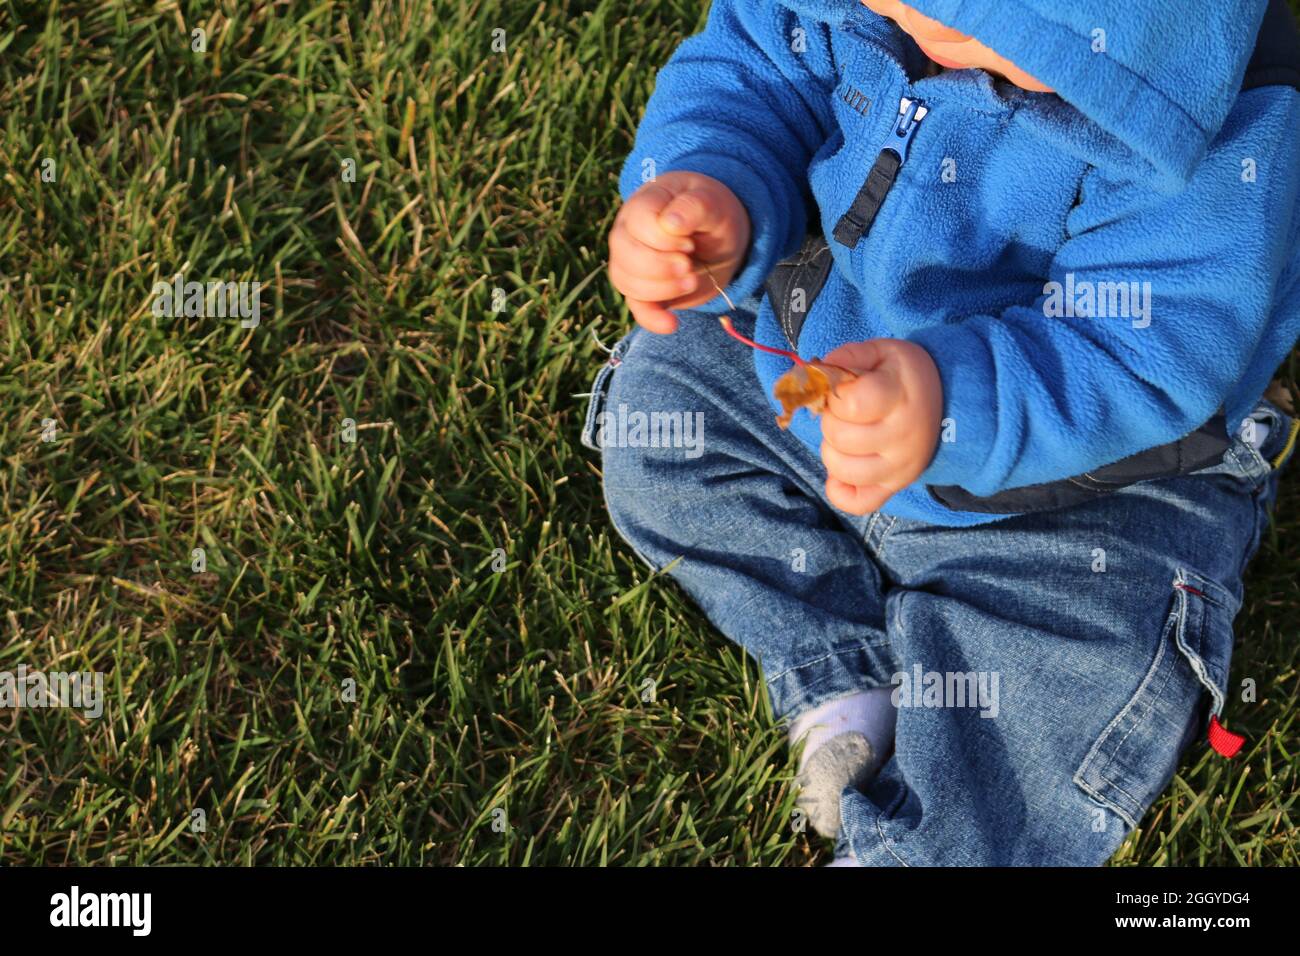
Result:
[
  {"x": 636, "y": 286},
  {"x": 691, "y": 211},
  {"x": 855, "y": 499},
  {"x": 652, "y": 316},
  {"x": 866, "y": 399},
  {"x": 640, "y": 217},
  {"x": 853, "y": 438},
  {"x": 857, "y": 469},
  {"x": 645, "y": 261},
  {"x": 858, "y": 356}
]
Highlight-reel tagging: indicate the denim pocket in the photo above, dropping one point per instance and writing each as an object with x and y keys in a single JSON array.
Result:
[
  {"x": 1136, "y": 755},
  {"x": 599, "y": 391},
  {"x": 1203, "y": 613}
]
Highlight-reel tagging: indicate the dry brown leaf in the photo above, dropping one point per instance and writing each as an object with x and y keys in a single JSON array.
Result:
[{"x": 808, "y": 386}]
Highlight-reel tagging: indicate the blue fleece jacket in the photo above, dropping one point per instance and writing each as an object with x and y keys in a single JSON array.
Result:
[{"x": 1094, "y": 272}]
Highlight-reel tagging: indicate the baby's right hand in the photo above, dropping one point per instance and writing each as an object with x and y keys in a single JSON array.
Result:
[{"x": 663, "y": 237}]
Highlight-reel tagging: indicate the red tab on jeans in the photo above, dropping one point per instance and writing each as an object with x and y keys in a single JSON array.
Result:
[{"x": 1224, "y": 741}]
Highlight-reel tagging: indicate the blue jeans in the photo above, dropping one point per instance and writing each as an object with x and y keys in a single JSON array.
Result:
[{"x": 1049, "y": 668}]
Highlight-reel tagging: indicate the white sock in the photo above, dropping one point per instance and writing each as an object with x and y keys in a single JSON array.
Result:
[{"x": 869, "y": 712}]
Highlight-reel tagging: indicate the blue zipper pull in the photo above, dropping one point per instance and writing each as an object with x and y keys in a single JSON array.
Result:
[
  {"x": 910, "y": 114},
  {"x": 853, "y": 225}
]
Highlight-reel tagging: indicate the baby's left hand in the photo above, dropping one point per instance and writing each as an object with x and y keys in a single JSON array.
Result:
[{"x": 879, "y": 431}]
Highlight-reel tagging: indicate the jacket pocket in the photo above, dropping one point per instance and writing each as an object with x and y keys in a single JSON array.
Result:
[{"x": 1136, "y": 755}]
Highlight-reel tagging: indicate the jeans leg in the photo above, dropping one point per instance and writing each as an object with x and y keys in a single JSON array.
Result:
[
  {"x": 1092, "y": 639},
  {"x": 735, "y": 517}
]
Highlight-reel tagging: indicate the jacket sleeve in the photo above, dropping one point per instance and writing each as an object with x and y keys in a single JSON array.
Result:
[
  {"x": 1037, "y": 394},
  {"x": 747, "y": 102}
]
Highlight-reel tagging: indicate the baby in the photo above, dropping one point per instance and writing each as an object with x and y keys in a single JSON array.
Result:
[{"x": 1056, "y": 243}]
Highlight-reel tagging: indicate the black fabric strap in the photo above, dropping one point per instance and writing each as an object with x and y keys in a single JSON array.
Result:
[
  {"x": 854, "y": 224},
  {"x": 1199, "y": 449}
]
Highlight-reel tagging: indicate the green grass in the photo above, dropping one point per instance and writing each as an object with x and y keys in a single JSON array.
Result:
[{"x": 480, "y": 696}]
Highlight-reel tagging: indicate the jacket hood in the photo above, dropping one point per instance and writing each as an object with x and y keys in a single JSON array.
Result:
[{"x": 1159, "y": 76}]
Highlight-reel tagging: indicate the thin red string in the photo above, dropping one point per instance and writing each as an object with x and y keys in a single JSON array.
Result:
[{"x": 731, "y": 330}]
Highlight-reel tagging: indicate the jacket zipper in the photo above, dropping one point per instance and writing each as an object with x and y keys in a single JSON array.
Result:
[{"x": 855, "y": 223}]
